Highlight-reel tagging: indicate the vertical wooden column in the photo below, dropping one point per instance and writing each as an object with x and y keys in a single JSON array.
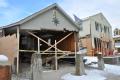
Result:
[
  {"x": 56, "y": 61},
  {"x": 38, "y": 45},
  {"x": 18, "y": 40},
  {"x": 75, "y": 46}
]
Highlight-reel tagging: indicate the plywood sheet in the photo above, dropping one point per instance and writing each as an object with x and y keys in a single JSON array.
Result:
[{"x": 8, "y": 47}]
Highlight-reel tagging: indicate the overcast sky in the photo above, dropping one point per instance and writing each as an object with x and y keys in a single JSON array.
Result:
[{"x": 14, "y": 10}]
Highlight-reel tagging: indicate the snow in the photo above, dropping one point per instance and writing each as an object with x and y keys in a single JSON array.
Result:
[
  {"x": 89, "y": 76},
  {"x": 95, "y": 74},
  {"x": 112, "y": 69},
  {"x": 3, "y": 58},
  {"x": 90, "y": 59}
]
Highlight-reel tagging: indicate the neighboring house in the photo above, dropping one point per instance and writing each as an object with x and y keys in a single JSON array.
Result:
[
  {"x": 95, "y": 33},
  {"x": 116, "y": 39},
  {"x": 49, "y": 31}
]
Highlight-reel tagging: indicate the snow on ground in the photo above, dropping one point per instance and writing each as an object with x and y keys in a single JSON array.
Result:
[
  {"x": 91, "y": 75},
  {"x": 112, "y": 69},
  {"x": 90, "y": 59},
  {"x": 94, "y": 74}
]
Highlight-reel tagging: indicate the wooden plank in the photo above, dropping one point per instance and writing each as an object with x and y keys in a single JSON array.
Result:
[
  {"x": 27, "y": 51},
  {"x": 59, "y": 41},
  {"x": 56, "y": 61},
  {"x": 41, "y": 39},
  {"x": 18, "y": 40},
  {"x": 48, "y": 52}
]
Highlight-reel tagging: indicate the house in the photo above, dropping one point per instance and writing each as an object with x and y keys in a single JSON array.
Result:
[
  {"x": 50, "y": 32},
  {"x": 116, "y": 39},
  {"x": 95, "y": 34}
]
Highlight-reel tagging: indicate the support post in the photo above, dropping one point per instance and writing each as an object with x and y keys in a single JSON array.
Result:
[
  {"x": 18, "y": 41},
  {"x": 79, "y": 60},
  {"x": 56, "y": 61},
  {"x": 77, "y": 64},
  {"x": 38, "y": 45}
]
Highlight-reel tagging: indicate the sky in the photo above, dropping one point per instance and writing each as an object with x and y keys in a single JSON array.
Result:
[{"x": 15, "y": 10}]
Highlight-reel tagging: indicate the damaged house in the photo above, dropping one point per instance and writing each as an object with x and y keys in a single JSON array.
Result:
[
  {"x": 50, "y": 32},
  {"x": 95, "y": 34}
]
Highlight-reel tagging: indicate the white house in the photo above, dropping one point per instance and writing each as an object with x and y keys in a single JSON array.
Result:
[
  {"x": 116, "y": 39},
  {"x": 95, "y": 33}
]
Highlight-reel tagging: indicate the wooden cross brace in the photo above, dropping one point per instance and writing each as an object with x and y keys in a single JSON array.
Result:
[{"x": 51, "y": 46}]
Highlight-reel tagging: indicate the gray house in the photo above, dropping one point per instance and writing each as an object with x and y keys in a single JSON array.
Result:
[{"x": 50, "y": 32}]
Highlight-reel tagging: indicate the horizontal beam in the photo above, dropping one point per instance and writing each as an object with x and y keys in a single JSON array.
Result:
[{"x": 48, "y": 52}]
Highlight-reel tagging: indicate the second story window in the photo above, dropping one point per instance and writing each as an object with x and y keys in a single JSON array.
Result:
[
  {"x": 105, "y": 29},
  {"x": 97, "y": 26},
  {"x": 101, "y": 29},
  {"x": 108, "y": 30}
]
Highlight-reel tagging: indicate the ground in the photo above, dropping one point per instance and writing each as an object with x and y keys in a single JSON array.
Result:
[{"x": 66, "y": 72}]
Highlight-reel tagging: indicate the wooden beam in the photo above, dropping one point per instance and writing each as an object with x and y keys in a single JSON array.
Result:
[
  {"x": 41, "y": 39},
  {"x": 59, "y": 41},
  {"x": 38, "y": 45},
  {"x": 48, "y": 52},
  {"x": 18, "y": 41},
  {"x": 27, "y": 51},
  {"x": 56, "y": 60}
]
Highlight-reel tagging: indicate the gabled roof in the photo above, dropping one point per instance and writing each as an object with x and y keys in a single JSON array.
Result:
[
  {"x": 98, "y": 14},
  {"x": 55, "y": 5}
]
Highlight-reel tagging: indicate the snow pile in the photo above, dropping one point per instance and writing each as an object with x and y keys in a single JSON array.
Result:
[
  {"x": 91, "y": 75},
  {"x": 3, "y": 58},
  {"x": 90, "y": 59}
]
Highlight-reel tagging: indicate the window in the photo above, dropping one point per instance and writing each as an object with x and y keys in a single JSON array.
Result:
[
  {"x": 119, "y": 32},
  {"x": 105, "y": 29},
  {"x": 97, "y": 26},
  {"x": 80, "y": 25},
  {"x": 116, "y": 32},
  {"x": 101, "y": 28},
  {"x": 108, "y": 30},
  {"x": 81, "y": 28}
]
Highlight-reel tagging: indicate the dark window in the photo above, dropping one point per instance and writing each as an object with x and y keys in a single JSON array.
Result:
[
  {"x": 105, "y": 29},
  {"x": 101, "y": 28},
  {"x": 108, "y": 30},
  {"x": 97, "y": 26}
]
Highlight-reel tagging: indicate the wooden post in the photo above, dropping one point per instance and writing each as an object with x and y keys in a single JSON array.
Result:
[
  {"x": 77, "y": 65},
  {"x": 75, "y": 49},
  {"x": 38, "y": 45},
  {"x": 18, "y": 40},
  {"x": 56, "y": 62},
  {"x": 77, "y": 58}
]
